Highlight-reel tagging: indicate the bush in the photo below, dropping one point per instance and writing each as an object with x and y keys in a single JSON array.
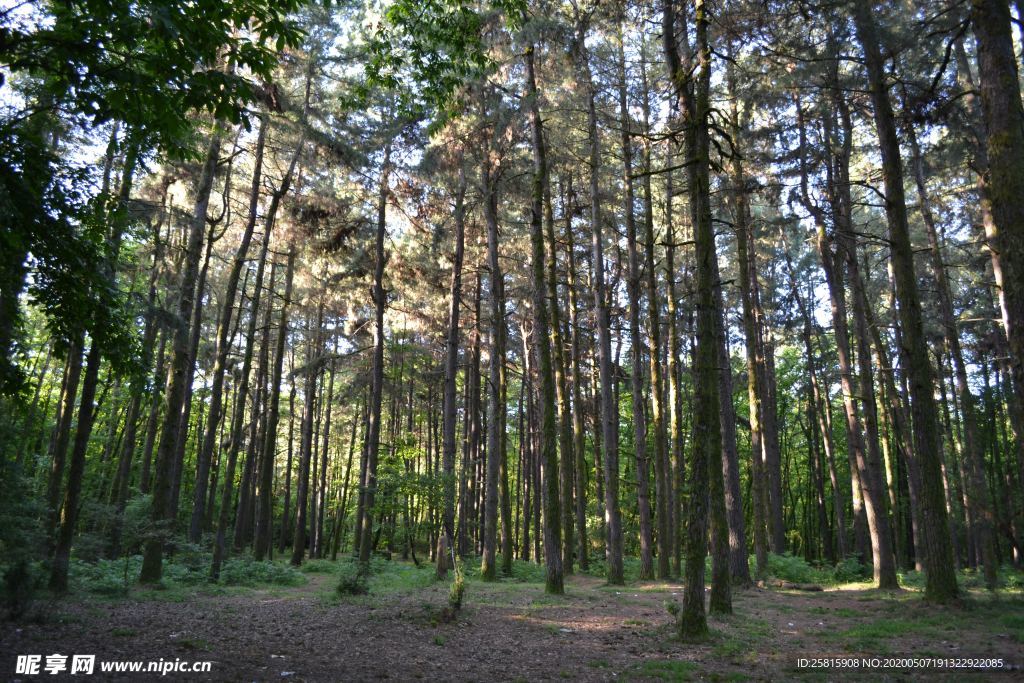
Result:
[
  {"x": 850, "y": 570},
  {"x": 21, "y": 579},
  {"x": 794, "y": 569},
  {"x": 458, "y": 588},
  {"x": 188, "y": 566},
  {"x": 105, "y": 577},
  {"x": 351, "y": 581},
  {"x": 319, "y": 566},
  {"x": 248, "y": 572},
  {"x": 20, "y": 531}
]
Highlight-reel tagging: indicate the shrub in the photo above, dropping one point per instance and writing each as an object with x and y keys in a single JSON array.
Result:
[
  {"x": 458, "y": 587},
  {"x": 318, "y": 567},
  {"x": 850, "y": 570},
  {"x": 528, "y": 572},
  {"x": 21, "y": 579},
  {"x": 790, "y": 568},
  {"x": 20, "y": 530},
  {"x": 351, "y": 581},
  {"x": 247, "y": 572},
  {"x": 105, "y": 577},
  {"x": 188, "y": 566}
]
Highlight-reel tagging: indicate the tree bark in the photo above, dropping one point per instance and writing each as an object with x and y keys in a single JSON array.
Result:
[
  {"x": 608, "y": 407},
  {"x": 693, "y": 88},
  {"x": 941, "y": 582},
  {"x": 379, "y": 296},
  {"x": 643, "y": 475},
  {"x": 495, "y": 380},
  {"x": 223, "y": 345},
  {"x": 152, "y": 564},
  {"x": 264, "y": 531},
  {"x": 549, "y": 429},
  {"x": 451, "y": 371}
]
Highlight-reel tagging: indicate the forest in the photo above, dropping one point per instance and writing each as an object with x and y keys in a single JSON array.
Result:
[{"x": 512, "y": 339}]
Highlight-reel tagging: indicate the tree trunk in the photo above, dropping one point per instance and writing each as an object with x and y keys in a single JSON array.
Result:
[
  {"x": 312, "y": 371},
  {"x": 496, "y": 378},
  {"x": 162, "y": 516},
  {"x": 608, "y": 407},
  {"x": 223, "y": 344},
  {"x": 643, "y": 475},
  {"x": 238, "y": 419},
  {"x": 379, "y": 296},
  {"x": 693, "y": 88},
  {"x": 941, "y": 572},
  {"x": 264, "y": 531},
  {"x": 675, "y": 389},
  {"x": 62, "y": 435},
  {"x": 549, "y": 429},
  {"x": 565, "y": 433},
  {"x": 451, "y": 371},
  {"x": 661, "y": 462},
  {"x": 1003, "y": 186}
]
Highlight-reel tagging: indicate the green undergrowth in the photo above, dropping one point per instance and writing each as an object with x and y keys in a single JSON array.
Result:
[
  {"x": 183, "y": 573},
  {"x": 379, "y": 578},
  {"x": 797, "y": 570},
  {"x": 1010, "y": 580},
  {"x": 385, "y": 577},
  {"x": 664, "y": 670}
]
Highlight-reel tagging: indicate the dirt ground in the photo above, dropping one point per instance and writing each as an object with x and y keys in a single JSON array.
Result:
[{"x": 514, "y": 632}]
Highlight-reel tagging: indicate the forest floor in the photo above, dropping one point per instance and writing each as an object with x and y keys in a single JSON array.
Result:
[{"x": 511, "y": 630}]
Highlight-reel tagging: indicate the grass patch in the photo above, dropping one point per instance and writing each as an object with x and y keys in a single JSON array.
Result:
[
  {"x": 729, "y": 649},
  {"x": 320, "y": 566},
  {"x": 248, "y": 572},
  {"x": 665, "y": 670},
  {"x": 186, "y": 573},
  {"x": 878, "y": 634},
  {"x": 1015, "y": 624}
]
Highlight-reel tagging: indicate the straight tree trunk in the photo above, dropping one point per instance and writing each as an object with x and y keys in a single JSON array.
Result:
[
  {"x": 941, "y": 585},
  {"x": 238, "y": 419},
  {"x": 76, "y": 469},
  {"x": 565, "y": 433},
  {"x": 313, "y": 368},
  {"x": 496, "y": 379},
  {"x": 1002, "y": 185},
  {"x": 446, "y": 538},
  {"x": 643, "y": 475},
  {"x": 264, "y": 531},
  {"x": 379, "y": 296},
  {"x": 162, "y": 516},
  {"x": 832, "y": 268},
  {"x": 62, "y": 436},
  {"x": 675, "y": 389},
  {"x": 608, "y": 407},
  {"x": 223, "y": 344},
  {"x": 578, "y": 411},
  {"x": 747, "y": 269},
  {"x": 317, "y": 549},
  {"x": 195, "y": 331},
  {"x": 661, "y": 461},
  {"x": 549, "y": 429},
  {"x": 138, "y": 383},
  {"x": 739, "y": 565},
  {"x": 693, "y": 87}
]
